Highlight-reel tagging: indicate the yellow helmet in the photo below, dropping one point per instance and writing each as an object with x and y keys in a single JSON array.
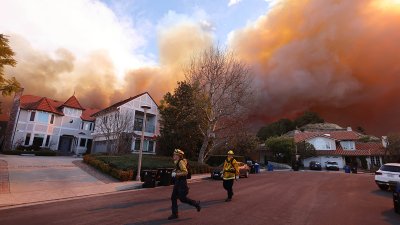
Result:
[
  {"x": 230, "y": 152},
  {"x": 178, "y": 152}
]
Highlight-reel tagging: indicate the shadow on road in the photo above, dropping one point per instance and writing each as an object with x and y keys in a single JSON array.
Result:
[
  {"x": 160, "y": 221},
  {"x": 204, "y": 205},
  {"x": 391, "y": 217},
  {"x": 130, "y": 204},
  {"x": 387, "y": 194}
]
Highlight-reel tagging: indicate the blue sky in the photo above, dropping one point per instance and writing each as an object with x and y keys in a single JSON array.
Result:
[{"x": 223, "y": 18}]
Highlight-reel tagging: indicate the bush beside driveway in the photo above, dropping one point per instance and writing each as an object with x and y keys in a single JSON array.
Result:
[{"x": 123, "y": 167}]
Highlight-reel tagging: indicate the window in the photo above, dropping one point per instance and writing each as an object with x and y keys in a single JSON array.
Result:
[
  {"x": 27, "y": 138},
  {"x": 83, "y": 123},
  {"x": 151, "y": 146},
  {"x": 347, "y": 145},
  {"x": 47, "y": 140},
  {"x": 43, "y": 117},
  {"x": 87, "y": 126},
  {"x": 137, "y": 144},
  {"x": 138, "y": 125},
  {"x": 91, "y": 124},
  {"x": 375, "y": 160},
  {"x": 38, "y": 140},
  {"x": 52, "y": 119},
  {"x": 82, "y": 143},
  {"x": 32, "y": 116}
]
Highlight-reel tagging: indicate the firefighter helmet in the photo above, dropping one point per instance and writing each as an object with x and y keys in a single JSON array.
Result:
[{"x": 178, "y": 152}]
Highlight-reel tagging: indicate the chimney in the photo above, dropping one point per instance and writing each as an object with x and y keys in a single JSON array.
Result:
[
  {"x": 12, "y": 122},
  {"x": 349, "y": 129},
  {"x": 385, "y": 141}
]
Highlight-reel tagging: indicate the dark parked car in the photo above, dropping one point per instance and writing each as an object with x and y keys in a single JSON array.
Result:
[
  {"x": 330, "y": 165},
  {"x": 315, "y": 165},
  {"x": 244, "y": 171}
]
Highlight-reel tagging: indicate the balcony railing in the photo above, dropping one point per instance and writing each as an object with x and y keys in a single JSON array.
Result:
[{"x": 148, "y": 129}]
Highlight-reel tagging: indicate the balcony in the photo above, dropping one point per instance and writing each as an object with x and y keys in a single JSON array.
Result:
[{"x": 149, "y": 128}]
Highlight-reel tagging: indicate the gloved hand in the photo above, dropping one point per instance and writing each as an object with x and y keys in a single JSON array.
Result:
[
  {"x": 236, "y": 177},
  {"x": 173, "y": 174}
]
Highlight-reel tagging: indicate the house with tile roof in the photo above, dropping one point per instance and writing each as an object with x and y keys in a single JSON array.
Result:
[
  {"x": 125, "y": 120},
  {"x": 341, "y": 146},
  {"x": 43, "y": 122}
]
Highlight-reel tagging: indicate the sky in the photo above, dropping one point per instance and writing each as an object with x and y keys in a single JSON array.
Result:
[{"x": 336, "y": 57}]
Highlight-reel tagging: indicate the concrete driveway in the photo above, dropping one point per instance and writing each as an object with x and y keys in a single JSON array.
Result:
[
  {"x": 34, "y": 179},
  {"x": 39, "y": 173}
]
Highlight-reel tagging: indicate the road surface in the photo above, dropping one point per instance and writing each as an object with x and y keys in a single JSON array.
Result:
[{"x": 269, "y": 198}]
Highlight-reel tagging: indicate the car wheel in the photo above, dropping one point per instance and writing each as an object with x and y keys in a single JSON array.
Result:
[
  {"x": 246, "y": 174},
  {"x": 383, "y": 187}
]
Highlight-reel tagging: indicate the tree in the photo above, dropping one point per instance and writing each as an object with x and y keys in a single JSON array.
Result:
[
  {"x": 282, "y": 149},
  {"x": 277, "y": 128},
  {"x": 181, "y": 121},
  {"x": 308, "y": 118},
  {"x": 117, "y": 128},
  {"x": 392, "y": 152},
  {"x": 305, "y": 150},
  {"x": 7, "y": 86},
  {"x": 225, "y": 85}
]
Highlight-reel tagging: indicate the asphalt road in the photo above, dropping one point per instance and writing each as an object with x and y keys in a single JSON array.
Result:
[{"x": 270, "y": 198}]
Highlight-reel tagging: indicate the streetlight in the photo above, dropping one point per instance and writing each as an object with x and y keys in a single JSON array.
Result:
[{"x": 145, "y": 108}]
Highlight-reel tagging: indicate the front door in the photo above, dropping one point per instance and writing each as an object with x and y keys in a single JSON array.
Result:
[
  {"x": 65, "y": 144},
  {"x": 89, "y": 146}
]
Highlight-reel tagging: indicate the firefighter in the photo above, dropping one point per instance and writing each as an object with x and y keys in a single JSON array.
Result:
[
  {"x": 230, "y": 173},
  {"x": 181, "y": 188}
]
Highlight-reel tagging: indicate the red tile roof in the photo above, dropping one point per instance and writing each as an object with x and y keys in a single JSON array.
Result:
[
  {"x": 4, "y": 117},
  {"x": 44, "y": 104},
  {"x": 362, "y": 149},
  {"x": 87, "y": 114},
  {"x": 337, "y": 135},
  {"x": 31, "y": 102},
  {"x": 72, "y": 102}
]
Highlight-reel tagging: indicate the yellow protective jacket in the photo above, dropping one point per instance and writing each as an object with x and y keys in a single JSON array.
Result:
[
  {"x": 230, "y": 170},
  {"x": 181, "y": 169}
]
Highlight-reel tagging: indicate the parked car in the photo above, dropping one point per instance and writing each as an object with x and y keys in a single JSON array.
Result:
[
  {"x": 390, "y": 172},
  {"x": 315, "y": 165},
  {"x": 331, "y": 165},
  {"x": 244, "y": 171}
]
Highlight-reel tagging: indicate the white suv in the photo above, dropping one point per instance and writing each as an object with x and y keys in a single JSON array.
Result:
[{"x": 390, "y": 172}]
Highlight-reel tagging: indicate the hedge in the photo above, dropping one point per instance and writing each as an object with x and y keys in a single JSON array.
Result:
[
  {"x": 122, "y": 175},
  {"x": 117, "y": 166}
]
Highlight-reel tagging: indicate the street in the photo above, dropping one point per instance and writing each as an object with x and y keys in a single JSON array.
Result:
[{"x": 267, "y": 198}]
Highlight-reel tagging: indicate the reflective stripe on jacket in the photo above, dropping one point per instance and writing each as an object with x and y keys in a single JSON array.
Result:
[{"x": 229, "y": 171}]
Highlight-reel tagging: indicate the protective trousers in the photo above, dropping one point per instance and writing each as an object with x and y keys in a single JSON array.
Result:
[
  {"x": 180, "y": 191},
  {"x": 228, "y": 187}
]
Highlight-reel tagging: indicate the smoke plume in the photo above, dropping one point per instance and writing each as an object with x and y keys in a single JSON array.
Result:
[{"x": 337, "y": 57}]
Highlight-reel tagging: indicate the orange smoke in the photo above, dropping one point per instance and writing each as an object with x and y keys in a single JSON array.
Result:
[
  {"x": 93, "y": 79},
  {"x": 338, "y": 57}
]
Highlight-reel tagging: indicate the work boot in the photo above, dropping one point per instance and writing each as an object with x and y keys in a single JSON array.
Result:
[
  {"x": 173, "y": 216},
  {"x": 198, "y": 207}
]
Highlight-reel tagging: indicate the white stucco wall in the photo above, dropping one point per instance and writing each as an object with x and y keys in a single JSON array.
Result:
[{"x": 321, "y": 143}]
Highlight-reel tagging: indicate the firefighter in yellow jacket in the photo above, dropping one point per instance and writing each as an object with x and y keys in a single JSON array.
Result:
[
  {"x": 181, "y": 189},
  {"x": 230, "y": 173}
]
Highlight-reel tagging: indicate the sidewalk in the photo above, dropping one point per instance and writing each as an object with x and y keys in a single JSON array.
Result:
[{"x": 53, "y": 192}]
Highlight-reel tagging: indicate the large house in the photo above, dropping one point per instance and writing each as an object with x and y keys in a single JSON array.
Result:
[
  {"x": 43, "y": 122},
  {"x": 122, "y": 123},
  {"x": 343, "y": 147}
]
